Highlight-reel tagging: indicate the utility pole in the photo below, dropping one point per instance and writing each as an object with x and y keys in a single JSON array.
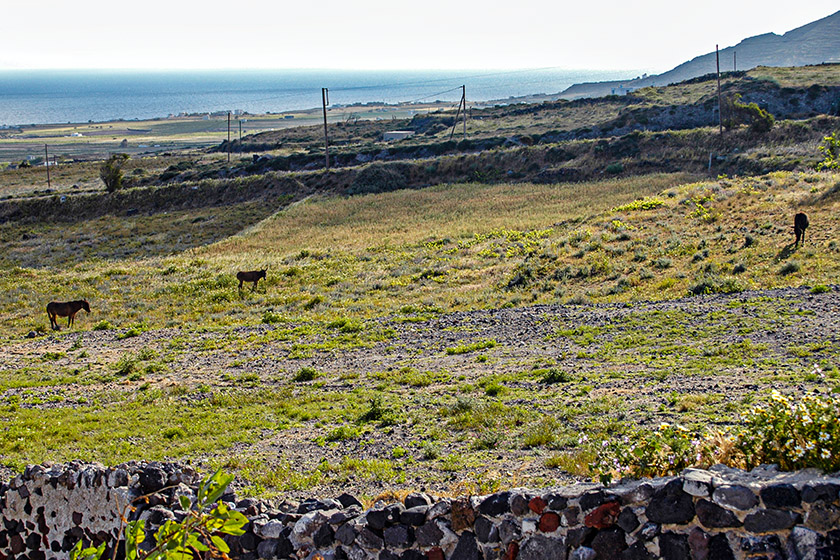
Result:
[
  {"x": 228, "y": 144},
  {"x": 325, "y": 100},
  {"x": 240, "y": 135},
  {"x": 734, "y": 61},
  {"x": 47, "y": 163},
  {"x": 720, "y": 107},
  {"x": 463, "y": 102}
]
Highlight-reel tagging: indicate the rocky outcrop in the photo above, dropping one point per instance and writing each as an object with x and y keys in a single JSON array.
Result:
[{"x": 721, "y": 513}]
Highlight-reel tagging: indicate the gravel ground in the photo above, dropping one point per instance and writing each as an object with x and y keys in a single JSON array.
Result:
[{"x": 642, "y": 354}]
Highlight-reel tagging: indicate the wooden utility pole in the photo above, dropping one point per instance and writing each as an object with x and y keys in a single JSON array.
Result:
[
  {"x": 462, "y": 102},
  {"x": 228, "y": 145},
  {"x": 47, "y": 163},
  {"x": 325, "y": 100},
  {"x": 734, "y": 61},
  {"x": 240, "y": 135},
  {"x": 720, "y": 107}
]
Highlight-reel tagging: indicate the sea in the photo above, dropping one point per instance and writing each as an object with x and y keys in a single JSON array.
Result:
[{"x": 78, "y": 96}]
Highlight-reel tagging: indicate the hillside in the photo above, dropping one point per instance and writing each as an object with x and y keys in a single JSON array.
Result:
[
  {"x": 815, "y": 43},
  {"x": 456, "y": 338}
]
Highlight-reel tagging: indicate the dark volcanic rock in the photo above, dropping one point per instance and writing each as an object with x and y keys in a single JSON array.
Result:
[
  {"x": 671, "y": 504},
  {"x": 539, "y": 547},
  {"x": 735, "y": 497},
  {"x": 769, "y": 520},
  {"x": 348, "y": 500},
  {"x": 627, "y": 520},
  {"x": 674, "y": 547},
  {"x": 398, "y": 536},
  {"x": 467, "y": 548},
  {"x": 781, "y": 496},
  {"x": 495, "y": 505},
  {"x": 415, "y": 516},
  {"x": 416, "y": 499},
  {"x": 428, "y": 534},
  {"x": 609, "y": 543},
  {"x": 715, "y": 517}
]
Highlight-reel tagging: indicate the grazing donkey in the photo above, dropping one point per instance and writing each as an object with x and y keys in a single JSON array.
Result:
[
  {"x": 800, "y": 224},
  {"x": 250, "y": 276},
  {"x": 65, "y": 309}
]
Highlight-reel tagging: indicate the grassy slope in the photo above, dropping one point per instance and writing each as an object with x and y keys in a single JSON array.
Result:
[{"x": 350, "y": 259}]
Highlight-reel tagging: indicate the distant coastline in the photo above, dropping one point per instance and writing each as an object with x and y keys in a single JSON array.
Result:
[{"x": 48, "y": 97}]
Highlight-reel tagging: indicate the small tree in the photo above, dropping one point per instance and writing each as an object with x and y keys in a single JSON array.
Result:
[
  {"x": 737, "y": 113},
  {"x": 111, "y": 171},
  {"x": 830, "y": 148}
]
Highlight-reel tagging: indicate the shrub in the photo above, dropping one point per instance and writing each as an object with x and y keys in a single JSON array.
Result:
[
  {"x": 111, "y": 172},
  {"x": 647, "y": 203},
  {"x": 820, "y": 289},
  {"x": 270, "y": 317},
  {"x": 305, "y": 374},
  {"x": 737, "y": 113},
  {"x": 662, "y": 263},
  {"x": 830, "y": 148},
  {"x": 713, "y": 284},
  {"x": 790, "y": 268},
  {"x": 466, "y": 348},
  {"x": 429, "y": 450},
  {"x": 553, "y": 375},
  {"x": 795, "y": 433},
  {"x": 342, "y": 433}
]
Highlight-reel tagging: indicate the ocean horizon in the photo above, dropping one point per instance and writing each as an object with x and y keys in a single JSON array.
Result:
[{"x": 59, "y": 96}]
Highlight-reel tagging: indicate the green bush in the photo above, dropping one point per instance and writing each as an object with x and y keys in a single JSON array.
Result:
[
  {"x": 472, "y": 347},
  {"x": 111, "y": 172},
  {"x": 647, "y": 203},
  {"x": 305, "y": 374},
  {"x": 830, "y": 149},
  {"x": 736, "y": 113},
  {"x": 794, "y": 432}
]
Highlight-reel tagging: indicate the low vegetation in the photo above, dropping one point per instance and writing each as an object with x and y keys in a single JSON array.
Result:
[{"x": 364, "y": 358}]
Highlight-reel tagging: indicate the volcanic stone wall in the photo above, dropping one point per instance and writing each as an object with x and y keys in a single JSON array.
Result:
[{"x": 717, "y": 514}]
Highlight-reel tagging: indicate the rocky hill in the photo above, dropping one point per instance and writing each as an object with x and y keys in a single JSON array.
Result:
[{"x": 815, "y": 43}]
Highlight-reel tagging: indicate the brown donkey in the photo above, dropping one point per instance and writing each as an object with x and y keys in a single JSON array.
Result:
[
  {"x": 65, "y": 309},
  {"x": 250, "y": 276}
]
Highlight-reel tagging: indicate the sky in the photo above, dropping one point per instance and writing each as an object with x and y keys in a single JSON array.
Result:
[{"x": 653, "y": 35}]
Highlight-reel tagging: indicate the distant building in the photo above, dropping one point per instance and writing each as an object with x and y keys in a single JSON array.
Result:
[
  {"x": 621, "y": 90},
  {"x": 397, "y": 135}
]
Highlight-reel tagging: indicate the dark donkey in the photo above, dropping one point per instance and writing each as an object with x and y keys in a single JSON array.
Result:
[
  {"x": 800, "y": 224},
  {"x": 250, "y": 276},
  {"x": 65, "y": 309}
]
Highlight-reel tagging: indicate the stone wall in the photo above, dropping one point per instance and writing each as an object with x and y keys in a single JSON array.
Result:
[{"x": 717, "y": 514}]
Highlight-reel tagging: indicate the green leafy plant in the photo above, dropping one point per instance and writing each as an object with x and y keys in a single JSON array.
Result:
[
  {"x": 795, "y": 433},
  {"x": 830, "y": 149},
  {"x": 111, "y": 172},
  {"x": 647, "y": 203},
  {"x": 466, "y": 348},
  {"x": 198, "y": 534},
  {"x": 737, "y": 113}
]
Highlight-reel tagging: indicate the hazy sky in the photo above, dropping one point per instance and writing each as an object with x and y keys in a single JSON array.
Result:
[{"x": 365, "y": 34}]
